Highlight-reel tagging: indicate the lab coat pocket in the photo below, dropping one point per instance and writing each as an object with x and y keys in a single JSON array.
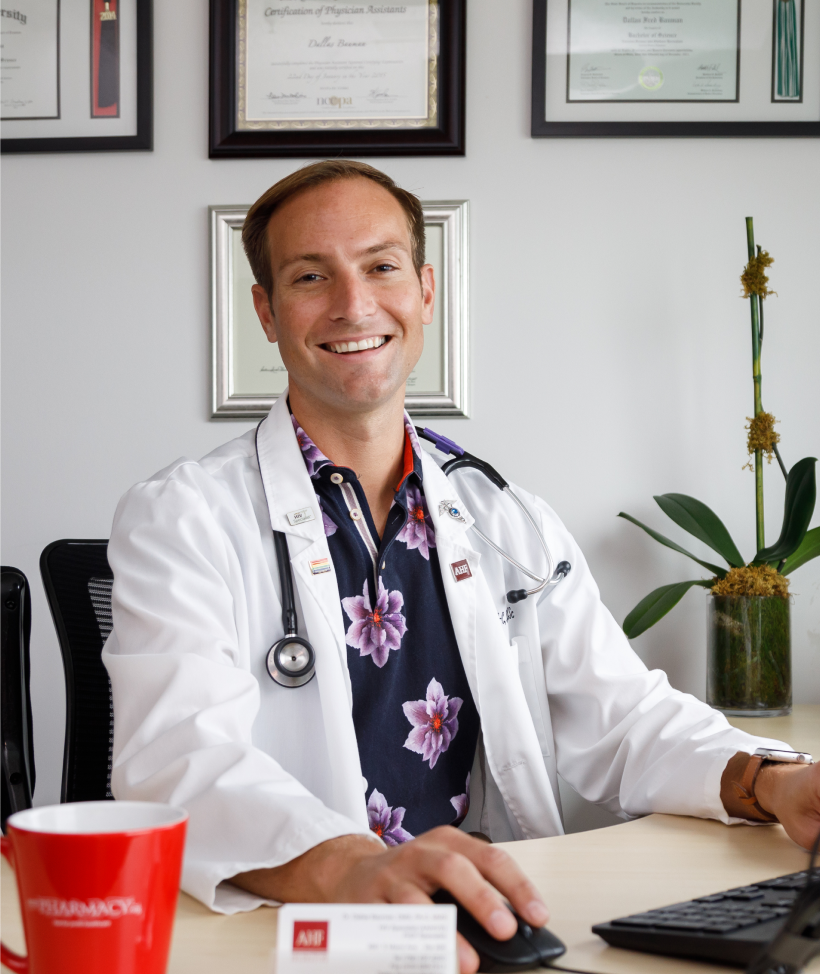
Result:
[{"x": 526, "y": 673}]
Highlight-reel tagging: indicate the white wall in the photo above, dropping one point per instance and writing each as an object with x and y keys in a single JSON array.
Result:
[{"x": 611, "y": 354}]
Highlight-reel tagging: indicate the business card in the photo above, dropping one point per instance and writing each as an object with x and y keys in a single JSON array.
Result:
[{"x": 352, "y": 938}]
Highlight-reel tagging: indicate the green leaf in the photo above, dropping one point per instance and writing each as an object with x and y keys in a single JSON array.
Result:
[
  {"x": 801, "y": 493},
  {"x": 715, "y": 569},
  {"x": 809, "y": 548},
  {"x": 695, "y": 517},
  {"x": 655, "y": 606}
]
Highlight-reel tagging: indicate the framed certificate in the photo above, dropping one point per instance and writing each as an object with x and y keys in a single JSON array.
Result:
[
  {"x": 676, "y": 68},
  {"x": 76, "y": 75},
  {"x": 326, "y": 77},
  {"x": 247, "y": 370}
]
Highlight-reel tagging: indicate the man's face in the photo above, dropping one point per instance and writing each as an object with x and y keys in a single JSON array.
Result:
[{"x": 343, "y": 273}]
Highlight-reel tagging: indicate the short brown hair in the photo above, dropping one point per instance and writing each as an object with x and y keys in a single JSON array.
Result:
[{"x": 255, "y": 228}]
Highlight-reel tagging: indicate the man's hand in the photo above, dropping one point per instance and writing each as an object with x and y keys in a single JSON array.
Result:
[
  {"x": 354, "y": 869},
  {"x": 792, "y": 793}
]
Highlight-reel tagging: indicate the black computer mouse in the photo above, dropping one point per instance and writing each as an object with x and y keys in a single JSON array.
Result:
[{"x": 529, "y": 947}]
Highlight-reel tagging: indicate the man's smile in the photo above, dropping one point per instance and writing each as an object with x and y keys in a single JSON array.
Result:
[{"x": 344, "y": 348}]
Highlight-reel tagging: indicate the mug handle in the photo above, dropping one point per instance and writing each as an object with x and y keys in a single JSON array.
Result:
[{"x": 14, "y": 962}]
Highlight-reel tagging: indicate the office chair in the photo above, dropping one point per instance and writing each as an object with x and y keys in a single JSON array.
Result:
[
  {"x": 78, "y": 582},
  {"x": 18, "y": 742}
]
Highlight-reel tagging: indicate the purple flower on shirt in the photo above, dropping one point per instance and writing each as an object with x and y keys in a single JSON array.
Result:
[
  {"x": 327, "y": 523},
  {"x": 461, "y": 803},
  {"x": 434, "y": 720},
  {"x": 418, "y": 532},
  {"x": 374, "y": 632},
  {"x": 313, "y": 456},
  {"x": 386, "y": 821}
]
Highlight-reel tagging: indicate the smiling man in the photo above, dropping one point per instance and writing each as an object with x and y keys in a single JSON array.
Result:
[{"x": 437, "y": 710}]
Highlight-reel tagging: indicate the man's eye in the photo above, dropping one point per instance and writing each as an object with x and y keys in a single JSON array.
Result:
[
  {"x": 310, "y": 278},
  {"x": 384, "y": 267}
]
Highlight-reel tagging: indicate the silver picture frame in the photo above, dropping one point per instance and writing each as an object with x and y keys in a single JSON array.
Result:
[{"x": 247, "y": 374}]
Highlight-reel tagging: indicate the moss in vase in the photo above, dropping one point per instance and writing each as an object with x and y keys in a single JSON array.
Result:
[
  {"x": 749, "y": 654},
  {"x": 751, "y": 581}
]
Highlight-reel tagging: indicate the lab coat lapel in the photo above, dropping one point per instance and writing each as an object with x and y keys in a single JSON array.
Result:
[
  {"x": 289, "y": 489},
  {"x": 510, "y": 739}
]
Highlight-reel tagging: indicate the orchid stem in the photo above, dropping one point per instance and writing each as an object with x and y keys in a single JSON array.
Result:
[
  {"x": 754, "y": 301},
  {"x": 780, "y": 461}
]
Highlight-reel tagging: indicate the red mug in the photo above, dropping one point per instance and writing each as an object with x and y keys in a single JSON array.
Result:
[{"x": 98, "y": 885}]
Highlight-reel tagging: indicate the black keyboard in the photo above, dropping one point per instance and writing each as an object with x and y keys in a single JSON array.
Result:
[{"x": 728, "y": 927}]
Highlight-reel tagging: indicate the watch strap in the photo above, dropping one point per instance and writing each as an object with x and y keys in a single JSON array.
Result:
[{"x": 745, "y": 790}]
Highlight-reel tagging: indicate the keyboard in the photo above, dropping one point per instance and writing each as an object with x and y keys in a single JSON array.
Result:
[{"x": 728, "y": 927}]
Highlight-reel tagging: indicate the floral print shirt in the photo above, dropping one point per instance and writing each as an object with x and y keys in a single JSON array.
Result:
[{"x": 415, "y": 719}]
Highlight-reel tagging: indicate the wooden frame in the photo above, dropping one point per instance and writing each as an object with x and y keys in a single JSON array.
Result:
[
  {"x": 227, "y": 140},
  {"x": 543, "y": 128},
  {"x": 143, "y": 139}
]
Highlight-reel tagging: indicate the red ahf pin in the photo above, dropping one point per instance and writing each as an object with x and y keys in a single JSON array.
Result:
[{"x": 461, "y": 570}]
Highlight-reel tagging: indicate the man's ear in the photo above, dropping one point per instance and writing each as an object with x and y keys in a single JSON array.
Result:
[
  {"x": 264, "y": 311},
  {"x": 428, "y": 293}
]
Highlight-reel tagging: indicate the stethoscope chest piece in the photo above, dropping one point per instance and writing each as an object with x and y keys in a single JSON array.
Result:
[{"x": 291, "y": 661}]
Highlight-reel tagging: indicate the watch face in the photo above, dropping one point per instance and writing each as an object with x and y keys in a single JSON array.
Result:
[{"x": 784, "y": 757}]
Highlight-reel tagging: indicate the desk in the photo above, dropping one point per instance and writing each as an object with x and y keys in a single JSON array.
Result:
[{"x": 585, "y": 878}]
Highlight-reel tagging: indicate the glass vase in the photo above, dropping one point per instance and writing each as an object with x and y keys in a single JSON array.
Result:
[{"x": 749, "y": 656}]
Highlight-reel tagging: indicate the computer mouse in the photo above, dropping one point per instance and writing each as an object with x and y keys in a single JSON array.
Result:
[{"x": 529, "y": 947}]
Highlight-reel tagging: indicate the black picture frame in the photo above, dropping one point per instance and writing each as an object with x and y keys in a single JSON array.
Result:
[
  {"x": 542, "y": 129},
  {"x": 228, "y": 142},
  {"x": 144, "y": 138}
]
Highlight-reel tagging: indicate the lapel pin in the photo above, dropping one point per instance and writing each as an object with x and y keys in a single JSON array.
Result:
[
  {"x": 320, "y": 566},
  {"x": 461, "y": 570},
  {"x": 452, "y": 508},
  {"x": 301, "y": 517}
]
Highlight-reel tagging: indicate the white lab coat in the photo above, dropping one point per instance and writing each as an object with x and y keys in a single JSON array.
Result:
[{"x": 268, "y": 772}]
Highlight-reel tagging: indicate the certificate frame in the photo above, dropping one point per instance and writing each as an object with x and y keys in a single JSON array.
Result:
[
  {"x": 602, "y": 121},
  {"x": 228, "y": 401},
  {"x": 142, "y": 139},
  {"x": 446, "y": 137}
]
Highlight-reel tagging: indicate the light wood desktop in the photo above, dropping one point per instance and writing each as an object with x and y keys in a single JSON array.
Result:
[{"x": 586, "y": 878}]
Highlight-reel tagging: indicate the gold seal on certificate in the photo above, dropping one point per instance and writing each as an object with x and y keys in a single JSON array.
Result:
[
  {"x": 30, "y": 83},
  {"x": 659, "y": 50},
  {"x": 341, "y": 64}
]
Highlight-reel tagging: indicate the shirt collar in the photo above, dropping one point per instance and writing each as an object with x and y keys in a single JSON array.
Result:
[{"x": 315, "y": 460}]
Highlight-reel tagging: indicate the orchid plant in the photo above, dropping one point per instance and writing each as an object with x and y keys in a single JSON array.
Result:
[{"x": 767, "y": 573}]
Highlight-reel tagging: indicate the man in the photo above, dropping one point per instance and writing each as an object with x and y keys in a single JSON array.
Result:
[{"x": 434, "y": 704}]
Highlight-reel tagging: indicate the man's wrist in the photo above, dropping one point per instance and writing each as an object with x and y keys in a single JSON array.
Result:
[
  {"x": 313, "y": 876},
  {"x": 751, "y": 786},
  {"x": 770, "y": 782}
]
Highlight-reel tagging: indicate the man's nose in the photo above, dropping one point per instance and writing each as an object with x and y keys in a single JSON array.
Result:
[{"x": 352, "y": 299}]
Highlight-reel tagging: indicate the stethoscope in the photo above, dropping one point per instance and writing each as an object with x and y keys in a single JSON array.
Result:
[{"x": 291, "y": 661}]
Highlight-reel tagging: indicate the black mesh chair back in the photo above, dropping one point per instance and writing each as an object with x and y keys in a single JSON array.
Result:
[
  {"x": 78, "y": 583},
  {"x": 18, "y": 742}
]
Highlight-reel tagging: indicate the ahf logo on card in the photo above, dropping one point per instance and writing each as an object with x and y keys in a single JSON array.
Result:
[{"x": 310, "y": 934}]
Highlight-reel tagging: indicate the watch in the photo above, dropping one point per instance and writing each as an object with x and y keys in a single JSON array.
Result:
[{"x": 745, "y": 788}]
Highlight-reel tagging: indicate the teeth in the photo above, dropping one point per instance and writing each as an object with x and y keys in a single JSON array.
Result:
[{"x": 342, "y": 348}]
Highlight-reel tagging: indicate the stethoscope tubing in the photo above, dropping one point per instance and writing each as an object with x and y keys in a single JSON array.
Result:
[{"x": 280, "y": 542}]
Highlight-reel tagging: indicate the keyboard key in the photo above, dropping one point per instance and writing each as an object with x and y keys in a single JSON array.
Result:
[
  {"x": 713, "y": 926},
  {"x": 739, "y": 895},
  {"x": 633, "y": 922},
  {"x": 713, "y": 898},
  {"x": 682, "y": 924}
]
